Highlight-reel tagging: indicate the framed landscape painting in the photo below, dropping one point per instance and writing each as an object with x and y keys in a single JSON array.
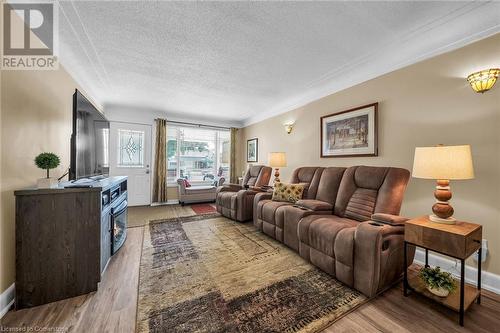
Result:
[
  {"x": 350, "y": 133},
  {"x": 252, "y": 150}
]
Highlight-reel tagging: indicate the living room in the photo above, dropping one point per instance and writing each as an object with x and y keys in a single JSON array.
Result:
[{"x": 250, "y": 166}]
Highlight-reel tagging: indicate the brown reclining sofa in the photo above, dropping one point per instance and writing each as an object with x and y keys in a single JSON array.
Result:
[{"x": 347, "y": 223}]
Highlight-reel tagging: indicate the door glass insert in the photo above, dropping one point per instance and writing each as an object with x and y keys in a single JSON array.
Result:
[{"x": 131, "y": 148}]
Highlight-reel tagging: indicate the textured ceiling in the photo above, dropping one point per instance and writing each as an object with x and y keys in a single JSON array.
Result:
[{"x": 240, "y": 62}]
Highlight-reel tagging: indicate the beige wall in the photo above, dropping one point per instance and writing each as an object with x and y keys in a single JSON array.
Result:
[
  {"x": 420, "y": 105},
  {"x": 36, "y": 116}
]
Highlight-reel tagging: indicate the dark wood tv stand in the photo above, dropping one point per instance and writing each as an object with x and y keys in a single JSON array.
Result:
[{"x": 64, "y": 239}]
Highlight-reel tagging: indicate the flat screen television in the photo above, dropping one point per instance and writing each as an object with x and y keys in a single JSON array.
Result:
[{"x": 89, "y": 141}]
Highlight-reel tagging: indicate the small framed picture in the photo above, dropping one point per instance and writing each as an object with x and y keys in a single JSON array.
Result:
[
  {"x": 350, "y": 133},
  {"x": 253, "y": 150}
]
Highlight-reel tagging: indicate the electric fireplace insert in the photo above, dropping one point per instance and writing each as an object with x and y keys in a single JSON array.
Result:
[{"x": 119, "y": 225}]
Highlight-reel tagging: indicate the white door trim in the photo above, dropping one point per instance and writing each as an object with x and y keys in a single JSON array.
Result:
[{"x": 150, "y": 155}]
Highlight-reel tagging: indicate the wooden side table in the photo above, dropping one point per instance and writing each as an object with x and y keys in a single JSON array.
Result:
[{"x": 458, "y": 241}]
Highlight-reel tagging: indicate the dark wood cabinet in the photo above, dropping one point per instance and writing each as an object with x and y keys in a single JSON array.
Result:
[{"x": 63, "y": 240}]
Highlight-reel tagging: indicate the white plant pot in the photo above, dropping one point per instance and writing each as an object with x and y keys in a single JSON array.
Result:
[
  {"x": 441, "y": 292},
  {"x": 47, "y": 182}
]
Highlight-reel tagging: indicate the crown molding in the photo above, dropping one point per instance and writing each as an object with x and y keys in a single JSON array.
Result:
[{"x": 146, "y": 115}]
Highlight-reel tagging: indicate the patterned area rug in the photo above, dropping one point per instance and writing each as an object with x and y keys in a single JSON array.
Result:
[{"x": 206, "y": 273}]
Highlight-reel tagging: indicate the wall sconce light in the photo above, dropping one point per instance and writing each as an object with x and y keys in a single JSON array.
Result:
[
  {"x": 483, "y": 81},
  {"x": 289, "y": 126}
]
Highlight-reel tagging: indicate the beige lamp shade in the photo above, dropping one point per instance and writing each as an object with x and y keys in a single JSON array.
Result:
[
  {"x": 277, "y": 159},
  {"x": 443, "y": 162}
]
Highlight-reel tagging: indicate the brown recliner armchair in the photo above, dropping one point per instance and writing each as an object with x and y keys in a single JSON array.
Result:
[
  {"x": 236, "y": 202},
  {"x": 279, "y": 219},
  {"x": 362, "y": 243}
]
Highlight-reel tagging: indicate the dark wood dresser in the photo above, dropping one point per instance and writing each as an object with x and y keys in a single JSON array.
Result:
[{"x": 64, "y": 239}]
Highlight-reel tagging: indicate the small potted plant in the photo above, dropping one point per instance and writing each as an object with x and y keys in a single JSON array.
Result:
[
  {"x": 47, "y": 161},
  {"x": 437, "y": 282}
]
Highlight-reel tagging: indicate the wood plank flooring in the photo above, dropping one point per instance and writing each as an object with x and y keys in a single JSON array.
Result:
[
  {"x": 113, "y": 307},
  {"x": 139, "y": 216}
]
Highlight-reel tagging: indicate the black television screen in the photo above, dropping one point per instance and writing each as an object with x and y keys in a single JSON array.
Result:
[{"x": 90, "y": 140}]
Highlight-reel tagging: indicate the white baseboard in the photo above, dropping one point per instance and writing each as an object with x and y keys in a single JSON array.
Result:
[
  {"x": 7, "y": 299},
  {"x": 173, "y": 202},
  {"x": 489, "y": 281},
  {"x": 169, "y": 202}
]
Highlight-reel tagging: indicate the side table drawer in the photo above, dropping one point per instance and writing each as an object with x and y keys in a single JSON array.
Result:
[
  {"x": 473, "y": 242},
  {"x": 459, "y": 240}
]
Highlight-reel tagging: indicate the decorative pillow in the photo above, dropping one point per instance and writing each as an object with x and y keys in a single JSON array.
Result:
[{"x": 288, "y": 192}]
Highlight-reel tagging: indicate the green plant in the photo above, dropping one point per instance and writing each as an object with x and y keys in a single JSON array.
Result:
[
  {"x": 47, "y": 161},
  {"x": 435, "y": 278}
]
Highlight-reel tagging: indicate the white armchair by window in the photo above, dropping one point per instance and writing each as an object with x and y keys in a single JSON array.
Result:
[{"x": 197, "y": 193}]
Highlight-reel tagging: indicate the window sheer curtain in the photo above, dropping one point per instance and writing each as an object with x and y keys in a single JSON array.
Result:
[
  {"x": 160, "y": 174},
  {"x": 232, "y": 165}
]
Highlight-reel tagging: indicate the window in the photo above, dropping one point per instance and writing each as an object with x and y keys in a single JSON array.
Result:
[
  {"x": 130, "y": 153},
  {"x": 200, "y": 155}
]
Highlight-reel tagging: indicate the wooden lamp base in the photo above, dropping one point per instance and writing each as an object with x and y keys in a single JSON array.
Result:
[
  {"x": 277, "y": 175},
  {"x": 437, "y": 219},
  {"x": 443, "y": 211}
]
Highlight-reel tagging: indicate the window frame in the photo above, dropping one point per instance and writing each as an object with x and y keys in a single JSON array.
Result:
[{"x": 217, "y": 163}]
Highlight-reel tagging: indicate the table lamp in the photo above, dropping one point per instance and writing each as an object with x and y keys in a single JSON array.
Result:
[
  {"x": 277, "y": 160},
  {"x": 443, "y": 163}
]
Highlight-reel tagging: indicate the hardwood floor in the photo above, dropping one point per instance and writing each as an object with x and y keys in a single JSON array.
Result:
[
  {"x": 392, "y": 312},
  {"x": 113, "y": 307},
  {"x": 139, "y": 216}
]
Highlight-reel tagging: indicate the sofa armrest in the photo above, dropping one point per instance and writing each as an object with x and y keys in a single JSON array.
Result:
[
  {"x": 229, "y": 188},
  {"x": 314, "y": 205},
  {"x": 257, "y": 189},
  {"x": 389, "y": 219},
  {"x": 262, "y": 196},
  {"x": 233, "y": 185},
  {"x": 249, "y": 192},
  {"x": 378, "y": 256},
  {"x": 244, "y": 202}
]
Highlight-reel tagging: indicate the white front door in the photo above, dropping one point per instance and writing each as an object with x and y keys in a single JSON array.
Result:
[{"x": 130, "y": 155}]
